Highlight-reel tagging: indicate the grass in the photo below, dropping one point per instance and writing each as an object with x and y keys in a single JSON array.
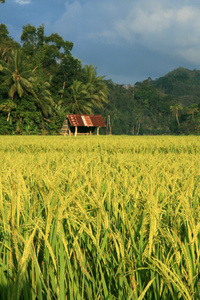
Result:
[{"x": 99, "y": 217}]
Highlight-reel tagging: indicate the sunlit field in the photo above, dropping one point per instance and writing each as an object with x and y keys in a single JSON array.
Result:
[{"x": 99, "y": 217}]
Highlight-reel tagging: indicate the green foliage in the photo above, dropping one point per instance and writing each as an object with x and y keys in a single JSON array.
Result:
[
  {"x": 79, "y": 99},
  {"x": 44, "y": 100},
  {"x": 139, "y": 109},
  {"x": 98, "y": 89},
  {"x": 86, "y": 94},
  {"x": 16, "y": 74},
  {"x": 44, "y": 51},
  {"x": 6, "y": 42},
  {"x": 182, "y": 84},
  {"x": 67, "y": 71}
]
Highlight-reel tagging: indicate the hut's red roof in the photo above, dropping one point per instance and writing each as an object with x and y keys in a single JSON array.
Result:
[{"x": 86, "y": 120}]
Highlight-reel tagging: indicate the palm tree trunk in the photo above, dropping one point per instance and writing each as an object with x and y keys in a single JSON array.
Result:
[
  {"x": 8, "y": 118},
  {"x": 177, "y": 120},
  {"x": 138, "y": 129},
  {"x": 109, "y": 127},
  {"x": 132, "y": 130}
]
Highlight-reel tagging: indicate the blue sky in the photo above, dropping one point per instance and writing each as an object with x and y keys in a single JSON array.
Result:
[{"x": 127, "y": 40}]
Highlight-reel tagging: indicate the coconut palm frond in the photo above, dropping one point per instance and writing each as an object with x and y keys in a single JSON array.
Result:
[{"x": 12, "y": 91}]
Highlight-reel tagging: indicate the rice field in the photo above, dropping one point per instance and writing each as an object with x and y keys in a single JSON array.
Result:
[{"x": 99, "y": 217}]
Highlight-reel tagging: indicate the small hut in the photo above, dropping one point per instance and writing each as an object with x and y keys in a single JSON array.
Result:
[{"x": 82, "y": 124}]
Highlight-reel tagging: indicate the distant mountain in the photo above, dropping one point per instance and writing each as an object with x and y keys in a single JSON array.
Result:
[{"x": 182, "y": 84}]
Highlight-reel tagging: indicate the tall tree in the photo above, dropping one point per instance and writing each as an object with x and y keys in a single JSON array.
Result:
[
  {"x": 6, "y": 42},
  {"x": 98, "y": 89},
  {"x": 43, "y": 99},
  {"x": 16, "y": 76},
  {"x": 51, "y": 48},
  {"x": 191, "y": 110},
  {"x": 79, "y": 100},
  {"x": 20, "y": 81},
  {"x": 175, "y": 110}
]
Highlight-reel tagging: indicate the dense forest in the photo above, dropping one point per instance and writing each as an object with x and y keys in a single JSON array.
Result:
[{"x": 41, "y": 81}]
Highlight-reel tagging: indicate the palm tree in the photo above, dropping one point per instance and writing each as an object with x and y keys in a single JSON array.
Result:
[
  {"x": 83, "y": 96},
  {"x": 20, "y": 81},
  {"x": 16, "y": 76},
  {"x": 98, "y": 89},
  {"x": 6, "y": 106},
  {"x": 43, "y": 98},
  {"x": 79, "y": 100},
  {"x": 191, "y": 110},
  {"x": 175, "y": 109}
]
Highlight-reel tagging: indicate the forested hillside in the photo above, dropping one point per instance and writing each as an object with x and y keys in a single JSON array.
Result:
[
  {"x": 168, "y": 105},
  {"x": 41, "y": 81},
  {"x": 181, "y": 83},
  {"x": 184, "y": 86},
  {"x": 135, "y": 110}
]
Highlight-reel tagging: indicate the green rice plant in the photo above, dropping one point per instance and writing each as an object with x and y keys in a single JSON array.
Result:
[{"x": 99, "y": 217}]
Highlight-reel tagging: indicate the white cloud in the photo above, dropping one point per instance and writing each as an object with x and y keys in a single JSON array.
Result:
[
  {"x": 190, "y": 54},
  {"x": 168, "y": 26},
  {"x": 186, "y": 14},
  {"x": 158, "y": 20},
  {"x": 89, "y": 20},
  {"x": 23, "y": 2},
  {"x": 162, "y": 27},
  {"x": 69, "y": 22}
]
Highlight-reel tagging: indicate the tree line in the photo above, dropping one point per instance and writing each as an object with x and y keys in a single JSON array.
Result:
[{"x": 41, "y": 81}]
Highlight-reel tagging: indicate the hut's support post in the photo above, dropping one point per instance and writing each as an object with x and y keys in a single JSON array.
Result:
[
  {"x": 98, "y": 130},
  {"x": 68, "y": 128},
  {"x": 76, "y": 130}
]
